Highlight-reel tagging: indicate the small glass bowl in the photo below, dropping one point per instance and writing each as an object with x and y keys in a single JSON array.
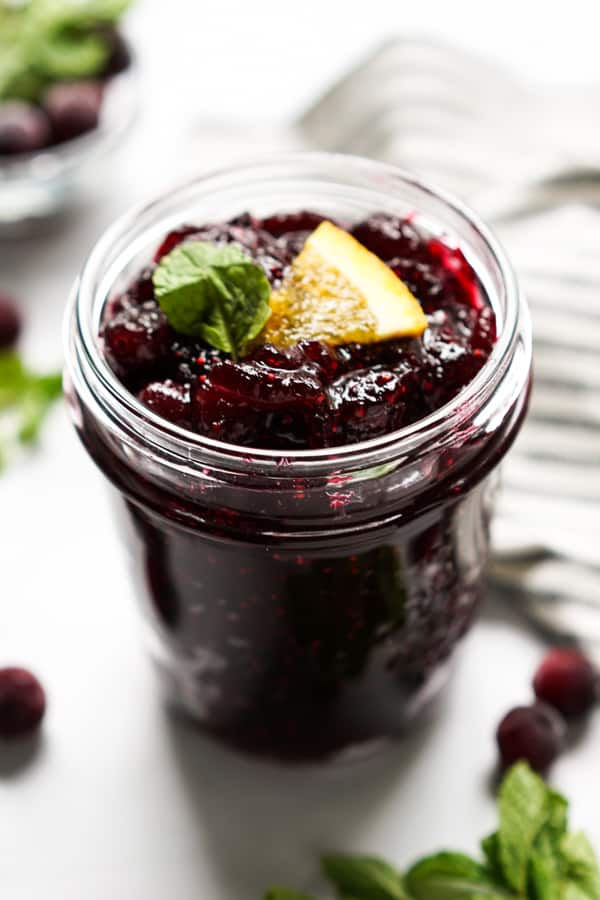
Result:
[{"x": 34, "y": 187}]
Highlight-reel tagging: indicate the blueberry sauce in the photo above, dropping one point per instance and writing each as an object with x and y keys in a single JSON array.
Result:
[
  {"x": 309, "y": 395},
  {"x": 304, "y": 616}
]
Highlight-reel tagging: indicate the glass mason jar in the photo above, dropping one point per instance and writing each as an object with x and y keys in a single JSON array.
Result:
[{"x": 302, "y": 604}]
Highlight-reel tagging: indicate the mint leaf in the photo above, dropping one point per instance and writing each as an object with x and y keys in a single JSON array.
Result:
[
  {"x": 491, "y": 852},
  {"x": 25, "y": 397},
  {"x": 13, "y": 379},
  {"x": 215, "y": 293},
  {"x": 558, "y": 810},
  {"x": 524, "y": 809},
  {"x": 544, "y": 868},
  {"x": 42, "y": 41},
  {"x": 530, "y": 857},
  {"x": 82, "y": 15},
  {"x": 36, "y": 402},
  {"x": 451, "y": 876},
  {"x": 363, "y": 877},
  {"x": 581, "y": 875},
  {"x": 71, "y": 55},
  {"x": 544, "y": 862}
]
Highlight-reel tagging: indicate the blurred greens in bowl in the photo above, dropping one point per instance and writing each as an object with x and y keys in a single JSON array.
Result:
[{"x": 67, "y": 94}]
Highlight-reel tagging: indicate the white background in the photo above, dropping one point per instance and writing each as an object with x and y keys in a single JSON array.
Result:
[{"x": 116, "y": 800}]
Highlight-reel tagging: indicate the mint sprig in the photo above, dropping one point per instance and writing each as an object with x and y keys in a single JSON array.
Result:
[
  {"x": 25, "y": 400},
  {"x": 42, "y": 41},
  {"x": 532, "y": 856},
  {"x": 214, "y": 293},
  {"x": 363, "y": 877}
]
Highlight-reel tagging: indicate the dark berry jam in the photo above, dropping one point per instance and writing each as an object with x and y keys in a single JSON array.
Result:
[
  {"x": 297, "y": 611},
  {"x": 310, "y": 395}
]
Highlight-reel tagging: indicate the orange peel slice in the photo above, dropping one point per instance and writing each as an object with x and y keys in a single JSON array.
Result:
[{"x": 339, "y": 292}]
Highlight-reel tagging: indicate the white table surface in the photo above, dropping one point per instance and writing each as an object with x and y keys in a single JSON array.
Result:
[{"x": 115, "y": 799}]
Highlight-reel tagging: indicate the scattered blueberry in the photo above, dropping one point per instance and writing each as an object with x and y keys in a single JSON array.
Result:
[
  {"x": 169, "y": 400},
  {"x": 136, "y": 337},
  {"x": 22, "y": 702},
  {"x": 119, "y": 56},
  {"x": 533, "y": 733},
  {"x": 568, "y": 681},
  {"x": 10, "y": 322},
  {"x": 23, "y": 128},
  {"x": 73, "y": 108}
]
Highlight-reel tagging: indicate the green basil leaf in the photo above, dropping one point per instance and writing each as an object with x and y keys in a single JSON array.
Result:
[
  {"x": 216, "y": 293},
  {"x": 524, "y": 809},
  {"x": 364, "y": 877},
  {"x": 451, "y": 876}
]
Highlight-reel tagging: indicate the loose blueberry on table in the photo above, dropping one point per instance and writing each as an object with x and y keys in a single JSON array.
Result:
[
  {"x": 568, "y": 681},
  {"x": 62, "y": 57},
  {"x": 10, "y": 321},
  {"x": 295, "y": 333},
  {"x": 566, "y": 685},
  {"x": 22, "y": 702},
  {"x": 533, "y": 733}
]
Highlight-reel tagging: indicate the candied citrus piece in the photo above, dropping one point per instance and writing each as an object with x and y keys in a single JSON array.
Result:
[{"x": 339, "y": 292}]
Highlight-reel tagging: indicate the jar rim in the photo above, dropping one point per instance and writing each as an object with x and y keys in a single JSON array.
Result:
[{"x": 90, "y": 372}]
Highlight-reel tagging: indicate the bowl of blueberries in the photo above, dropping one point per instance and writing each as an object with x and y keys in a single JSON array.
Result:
[{"x": 67, "y": 96}]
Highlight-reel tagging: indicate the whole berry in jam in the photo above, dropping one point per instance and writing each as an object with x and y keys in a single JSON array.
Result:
[
  {"x": 23, "y": 128},
  {"x": 568, "y": 681},
  {"x": 366, "y": 404},
  {"x": 389, "y": 236},
  {"x": 169, "y": 400},
  {"x": 73, "y": 108},
  {"x": 22, "y": 702},
  {"x": 136, "y": 338},
  {"x": 288, "y": 223},
  {"x": 10, "y": 322},
  {"x": 533, "y": 733}
]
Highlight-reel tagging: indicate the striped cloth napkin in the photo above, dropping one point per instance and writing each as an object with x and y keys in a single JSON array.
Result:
[{"x": 529, "y": 162}]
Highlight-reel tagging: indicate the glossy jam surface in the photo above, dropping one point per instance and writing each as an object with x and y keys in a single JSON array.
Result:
[{"x": 309, "y": 395}]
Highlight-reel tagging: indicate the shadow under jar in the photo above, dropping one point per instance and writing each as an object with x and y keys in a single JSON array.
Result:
[{"x": 302, "y": 604}]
